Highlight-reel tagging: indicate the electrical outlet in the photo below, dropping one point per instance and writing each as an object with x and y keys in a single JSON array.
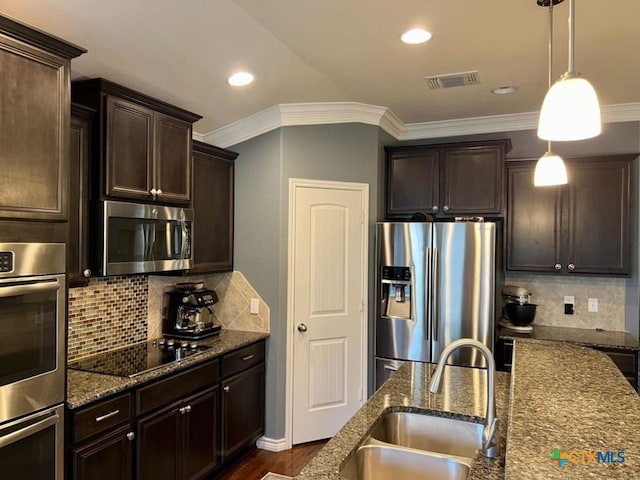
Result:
[
  {"x": 592, "y": 304},
  {"x": 254, "y": 306}
]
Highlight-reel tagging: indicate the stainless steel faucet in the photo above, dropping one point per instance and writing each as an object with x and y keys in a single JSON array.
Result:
[{"x": 490, "y": 434}]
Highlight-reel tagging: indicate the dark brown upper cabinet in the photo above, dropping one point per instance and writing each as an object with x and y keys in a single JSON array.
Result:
[
  {"x": 34, "y": 123},
  {"x": 144, "y": 146},
  {"x": 448, "y": 180},
  {"x": 78, "y": 225},
  {"x": 579, "y": 228},
  {"x": 213, "y": 189}
]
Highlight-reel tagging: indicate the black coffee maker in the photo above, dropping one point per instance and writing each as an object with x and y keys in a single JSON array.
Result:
[{"x": 189, "y": 313}]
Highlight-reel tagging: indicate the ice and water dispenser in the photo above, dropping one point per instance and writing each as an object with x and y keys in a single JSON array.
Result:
[{"x": 396, "y": 292}]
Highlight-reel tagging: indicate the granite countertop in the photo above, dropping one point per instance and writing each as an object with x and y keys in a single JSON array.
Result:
[
  {"x": 580, "y": 336},
  {"x": 463, "y": 395},
  {"x": 85, "y": 387},
  {"x": 573, "y": 399},
  {"x": 562, "y": 396}
]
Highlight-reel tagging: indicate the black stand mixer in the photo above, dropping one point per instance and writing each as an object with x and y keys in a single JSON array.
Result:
[
  {"x": 518, "y": 311},
  {"x": 189, "y": 314}
]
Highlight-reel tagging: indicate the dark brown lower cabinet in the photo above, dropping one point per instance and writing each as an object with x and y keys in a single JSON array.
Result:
[
  {"x": 242, "y": 411},
  {"x": 181, "y": 441},
  {"x": 106, "y": 458}
]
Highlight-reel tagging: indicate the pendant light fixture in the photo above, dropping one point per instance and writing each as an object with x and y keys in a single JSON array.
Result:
[
  {"x": 570, "y": 110},
  {"x": 550, "y": 169}
]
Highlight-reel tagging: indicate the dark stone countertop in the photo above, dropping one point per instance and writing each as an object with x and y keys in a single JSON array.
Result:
[
  {"x": 573, "y": 399},
  {"x": 85, "y": 387},
  {"x": 580, "y": 336},
  {"x": 562, "y": 396},
  {"x": 463, "y": 395}
]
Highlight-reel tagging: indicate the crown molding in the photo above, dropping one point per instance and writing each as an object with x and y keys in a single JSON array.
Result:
[{"x": 296, "y": 114}]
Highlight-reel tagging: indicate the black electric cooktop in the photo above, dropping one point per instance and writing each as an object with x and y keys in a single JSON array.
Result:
[{"x": 140, "y": 358}]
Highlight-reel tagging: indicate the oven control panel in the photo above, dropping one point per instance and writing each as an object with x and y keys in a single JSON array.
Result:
[{"x": 6, "y": 262}]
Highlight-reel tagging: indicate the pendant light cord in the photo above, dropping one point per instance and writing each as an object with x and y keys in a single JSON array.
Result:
[
  {"x": 572, "y": 35},
  {"x": 550, "y": 55}
]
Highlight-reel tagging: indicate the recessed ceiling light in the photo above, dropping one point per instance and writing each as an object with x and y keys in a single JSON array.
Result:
[
  {"x": 505, "y": 90},
  {"x": 415, "y": 36},
  {"x": 240, "y": 79}
]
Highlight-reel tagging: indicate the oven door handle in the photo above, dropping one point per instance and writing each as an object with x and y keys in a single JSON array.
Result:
[
  {"x": 28, "y": 288},
  {"x": 27, "y": 431}
]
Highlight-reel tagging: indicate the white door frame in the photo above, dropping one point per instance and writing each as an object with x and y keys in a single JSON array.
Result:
[{"x": 363, "y": 188}]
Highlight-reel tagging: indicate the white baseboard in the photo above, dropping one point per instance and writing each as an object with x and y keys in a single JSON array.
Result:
[{"x": 272, "y": 444}]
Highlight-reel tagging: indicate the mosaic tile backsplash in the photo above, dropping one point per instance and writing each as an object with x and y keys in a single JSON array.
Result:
[
  {"x": 115, "y": 312},
  {"x": 109, "y": 313},
  {"x": 548, "y": 293}
]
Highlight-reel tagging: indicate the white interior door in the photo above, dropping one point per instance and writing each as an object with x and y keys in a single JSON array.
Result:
[{"x": 327, "y": 306}]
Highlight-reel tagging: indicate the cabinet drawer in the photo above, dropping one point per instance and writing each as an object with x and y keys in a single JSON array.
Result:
[
  {"x": 242, "y": 359},
  {"x": 100, "y": 417},
  {"x": 626, "y": 362},
  {"x": 176, "y": 387}
]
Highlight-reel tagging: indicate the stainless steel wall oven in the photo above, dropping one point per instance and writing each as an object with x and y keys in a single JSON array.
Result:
[{"x": 33, "y": 299}]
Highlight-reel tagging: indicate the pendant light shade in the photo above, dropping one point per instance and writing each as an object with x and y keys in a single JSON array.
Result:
[
  {"x": 550, "y": 170},
  {"x": 570, "y": 111}
]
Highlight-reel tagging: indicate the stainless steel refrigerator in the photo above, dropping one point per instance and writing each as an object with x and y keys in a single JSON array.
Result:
[{"x": 436, "y": 282}]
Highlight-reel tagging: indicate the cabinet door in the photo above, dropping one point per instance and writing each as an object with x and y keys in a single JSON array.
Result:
[
  {"x": 472, "y": 181},
  {"x": 159, "y": 445},
  {"x": 412, "y": 181},
  {"x": 34, "y": 129},
  {"x": 79, "y": 154},
  {"x": 242, "y": 411},
  {"x": 533, "y": 223},
  {"x": 201, "y": 430},
  {"x": 213, "y": 213},
  {"x": 599, "y": 215},
  {"x": 172, "y": 159},
  {"x": 128, "y": 168},
  {"x": 107, "y": 458}
]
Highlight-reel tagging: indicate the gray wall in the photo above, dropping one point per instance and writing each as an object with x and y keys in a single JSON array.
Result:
[{"x": 348, "y": 152}]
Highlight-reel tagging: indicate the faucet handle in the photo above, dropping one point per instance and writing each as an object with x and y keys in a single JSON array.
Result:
[{"x": 491, "y": 440}]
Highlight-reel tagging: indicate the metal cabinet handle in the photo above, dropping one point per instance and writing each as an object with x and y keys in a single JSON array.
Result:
[
  {"x": 131, "y": 436},
  {"x": 153, "y": 192},
  {"x": 391, "y": 368},
  {"x": 185, "y": 410},
  {"x": 226, "y": 389},
  {"x": 571, "y": 267},
  {"x": 86, "y": 273},
  {"x": 107, "y": 415},
  {"x": 159, "y": 192},
  {"x": 302, "y": 328},
  {"x": 445, "y": 208},
  {"x": 434, "y": 208},
  {"x": 557, "y": 266},
  {"x": 248, "y": 357}
]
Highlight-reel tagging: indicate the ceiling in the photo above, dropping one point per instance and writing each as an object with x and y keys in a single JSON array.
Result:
[{"x": 341, "y": 51}]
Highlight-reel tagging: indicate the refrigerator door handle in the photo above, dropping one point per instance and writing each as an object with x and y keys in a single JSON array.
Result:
[
  {"x": 435, "y": 307},
  {"x": 429, "y": 280}
]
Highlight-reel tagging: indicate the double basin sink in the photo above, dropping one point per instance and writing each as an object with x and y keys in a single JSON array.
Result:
[{"x": 416, "y": 446}]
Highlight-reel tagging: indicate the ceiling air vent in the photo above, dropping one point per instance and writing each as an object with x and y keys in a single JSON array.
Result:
[{"x": 453, "y": 80}]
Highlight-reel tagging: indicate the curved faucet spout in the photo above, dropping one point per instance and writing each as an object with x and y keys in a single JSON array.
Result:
[{"x": 490, "y": 434}]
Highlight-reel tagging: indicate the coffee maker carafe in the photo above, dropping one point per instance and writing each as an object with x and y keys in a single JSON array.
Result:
[{"x": 189, "y": 313}]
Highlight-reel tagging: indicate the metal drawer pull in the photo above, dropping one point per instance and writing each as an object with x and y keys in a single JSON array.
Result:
[
  {"x": 185, "y": 410},
  {"x": 248, "y": 357},
  {"x": 226, "y": 389},
  {"x": 108, "y": 415},
  {"x": 131, "y": 436}
]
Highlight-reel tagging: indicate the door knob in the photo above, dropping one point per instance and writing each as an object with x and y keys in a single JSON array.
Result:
[{"x": 302, "y": 328}]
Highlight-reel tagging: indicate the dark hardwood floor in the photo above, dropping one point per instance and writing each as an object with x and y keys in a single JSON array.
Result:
[{"x": 258, "y": 463}]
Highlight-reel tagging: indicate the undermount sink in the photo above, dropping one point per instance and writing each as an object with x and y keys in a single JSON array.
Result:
[
  {"x": 426, "y": 432},
  {"x": 378, "y": 462},
  {"x": 416, "y": 446}
]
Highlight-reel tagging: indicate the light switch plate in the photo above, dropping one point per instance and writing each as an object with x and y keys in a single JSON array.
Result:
[
  {"x": 592, "y": 304},
  {"x": 569, "y": 299},
  {"x": 254, "y": 306}
]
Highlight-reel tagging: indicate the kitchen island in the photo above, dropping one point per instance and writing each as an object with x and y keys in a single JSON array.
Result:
[{"x": 561, "y": 400}]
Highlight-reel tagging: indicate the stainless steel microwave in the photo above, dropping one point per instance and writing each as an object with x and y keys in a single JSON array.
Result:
[{"x": 143, "y": 238}]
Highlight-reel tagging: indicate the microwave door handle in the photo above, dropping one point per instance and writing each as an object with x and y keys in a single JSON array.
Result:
[
  {"x": 28, "y": 288},
  {"x": 25, "y": 432}
]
